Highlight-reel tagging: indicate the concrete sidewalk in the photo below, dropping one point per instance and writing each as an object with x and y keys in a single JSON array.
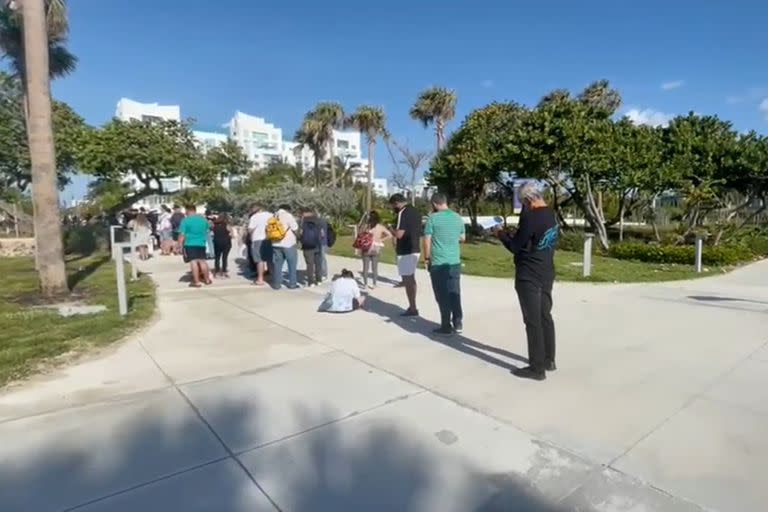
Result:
[{"x": 240, "y": 399}]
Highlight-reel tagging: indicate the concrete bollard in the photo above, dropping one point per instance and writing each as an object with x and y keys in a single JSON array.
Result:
[
  {"x": 122, "y": 293},
  {"x": 699, "y": 252},
  {"x": 587, "y": 265}
]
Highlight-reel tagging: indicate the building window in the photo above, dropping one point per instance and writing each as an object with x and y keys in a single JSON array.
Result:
[
  {"x": 342, "y": 144},
  {"x": 151, "y": 119}
]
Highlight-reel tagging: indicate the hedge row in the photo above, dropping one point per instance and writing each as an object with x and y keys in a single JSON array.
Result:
[{"x": 680, "y": 254}]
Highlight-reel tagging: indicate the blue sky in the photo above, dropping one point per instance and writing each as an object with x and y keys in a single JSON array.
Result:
[{"x": 277, "y": 59}]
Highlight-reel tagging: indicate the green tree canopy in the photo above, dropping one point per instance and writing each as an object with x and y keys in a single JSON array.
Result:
[
  {"x": 69, "y": 132},
  {"x": 146, "y": 151},
  {"x": 477, "y": 154}
]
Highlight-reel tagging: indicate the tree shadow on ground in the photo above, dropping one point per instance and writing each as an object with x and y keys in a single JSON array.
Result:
[
  {"x": 159, "y": 452},
  {"x": 82, "y": 273},
  {"x": 424, "y": 327}
]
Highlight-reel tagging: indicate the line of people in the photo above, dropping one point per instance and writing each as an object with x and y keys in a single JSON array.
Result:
[{"x": 274, "y": 241}]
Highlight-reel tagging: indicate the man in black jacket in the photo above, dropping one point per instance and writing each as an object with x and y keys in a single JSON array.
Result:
[{"x": 533, "y": 245}]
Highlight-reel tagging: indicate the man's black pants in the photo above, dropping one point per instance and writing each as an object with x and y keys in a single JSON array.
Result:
[
  {"x": 536, "y": 304},
  {"x": 446, "y": 283}
]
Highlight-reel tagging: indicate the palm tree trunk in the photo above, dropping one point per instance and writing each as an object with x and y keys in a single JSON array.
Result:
[
  {"x": 333, "y": 164},
  {"x": 317, "y": 171},
  {"x": 45, "y": 194},
  {"x": 369, "y": 195},
  {"x": 440, "y": 132}
]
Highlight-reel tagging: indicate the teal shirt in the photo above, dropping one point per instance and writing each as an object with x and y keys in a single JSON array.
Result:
[
  {"x": 446, "y": 229},
  {"x": 195, "y": 230}
]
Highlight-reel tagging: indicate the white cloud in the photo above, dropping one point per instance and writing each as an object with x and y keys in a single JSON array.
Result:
[
  {"x": 675, "y": 84},
  {"x": 764, "y": 108},
  {"x": 488, "y": 84},
  {"x": 648, "y": 117}
]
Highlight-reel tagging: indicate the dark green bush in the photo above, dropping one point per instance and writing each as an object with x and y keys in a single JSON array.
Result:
[
  {"x": 758, "y": 245},
  {"x": 571, "y": 241},
  {"x": 85, "y": 240},
  {"x": 680, "y": 254}
]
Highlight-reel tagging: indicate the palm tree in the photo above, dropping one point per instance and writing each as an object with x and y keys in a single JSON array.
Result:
[
  {"x": 313, "y": 135},
  {"x": 371, "y": 122},
  {"x": 35, "y": 71},
  {"x": 436, "y": 105},
  {"x": 330, "y": 115},
  {"x": 60, "y": 61},
  {"x": 346, "y": 171}
]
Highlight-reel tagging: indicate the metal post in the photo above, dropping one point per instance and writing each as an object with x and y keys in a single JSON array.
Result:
[
  {"x": 587, "y": 266},
  {"x": 16, "y": 219},
  {"x": 699, "y": 251},
  {"x": 134, "y": 266},
  {"x": 112, "y": 240},
  {"x": 122, "y": 294}
]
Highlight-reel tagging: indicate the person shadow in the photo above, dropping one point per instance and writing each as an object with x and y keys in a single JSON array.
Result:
[{"x": 424, "y": 327}]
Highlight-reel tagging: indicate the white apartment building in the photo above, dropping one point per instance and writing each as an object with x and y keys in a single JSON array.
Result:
[
  {"x": 209, "y": 140},
  {"x": 261, "y": 141},
  {"x": 129, "y": 110},
  {"x": 347, "y": 147}
]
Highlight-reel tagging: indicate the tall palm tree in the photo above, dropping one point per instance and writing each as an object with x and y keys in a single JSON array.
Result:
[
  {"x": 45, "y": 197},
  {"x": 313, "y": 135},
  {"x": 436, "y": 105},
  {"x": 330, "y": 115},
  {"x": 371, "y": 121},
  {"x": 60, "y": 61}
]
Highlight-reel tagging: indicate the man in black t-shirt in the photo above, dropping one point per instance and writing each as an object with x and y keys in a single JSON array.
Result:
[
  {"x": 407, "y": 232},
  {"x": 533, "y": 245}
]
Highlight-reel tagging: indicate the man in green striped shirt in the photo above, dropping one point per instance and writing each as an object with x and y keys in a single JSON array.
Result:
[{"x": 443, "y": 234}]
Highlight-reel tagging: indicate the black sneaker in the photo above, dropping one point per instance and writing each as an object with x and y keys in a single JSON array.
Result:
[
  {"x": 410, "y": 312},
  {"x": 550, "y": 366},
  {"x": 458, "y": 327},
  {"x": 529, "y": 373},
  {"x": 443, "y": 331}
]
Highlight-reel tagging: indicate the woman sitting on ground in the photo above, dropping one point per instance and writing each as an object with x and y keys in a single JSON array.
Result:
[{"x": 344, "y": 295}]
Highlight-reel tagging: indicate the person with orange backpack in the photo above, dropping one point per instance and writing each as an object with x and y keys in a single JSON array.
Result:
[{"x": 281, "y": 232}]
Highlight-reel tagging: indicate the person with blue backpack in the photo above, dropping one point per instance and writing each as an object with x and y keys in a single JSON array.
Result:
[{"x": 313, "y": 235}]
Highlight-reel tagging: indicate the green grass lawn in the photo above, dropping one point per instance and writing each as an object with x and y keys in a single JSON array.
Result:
[
  {"x": 491, "y": 259},
  {"x": 32, "y": 339}
]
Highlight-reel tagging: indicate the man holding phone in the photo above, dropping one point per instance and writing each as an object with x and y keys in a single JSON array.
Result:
[
  {"x": 533, "y": 245},
  {"x": 407, "y": 233}
]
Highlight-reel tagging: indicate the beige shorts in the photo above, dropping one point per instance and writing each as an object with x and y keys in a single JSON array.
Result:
[{"x": 406, "y": 264}]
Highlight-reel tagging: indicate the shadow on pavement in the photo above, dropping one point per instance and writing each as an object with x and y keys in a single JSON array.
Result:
[
  {"x": 419, "y": 325},
  {"x": 165, "y": 458},
  {"x": 715, "y": 298}
]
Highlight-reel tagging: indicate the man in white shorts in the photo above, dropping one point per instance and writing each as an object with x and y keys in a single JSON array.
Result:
[
  {"x": 407, "y": 232},
  {"x": 261, "y": 248}
]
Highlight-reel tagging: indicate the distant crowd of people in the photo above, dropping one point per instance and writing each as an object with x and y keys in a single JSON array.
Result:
[{"x": 272, "y": 242}]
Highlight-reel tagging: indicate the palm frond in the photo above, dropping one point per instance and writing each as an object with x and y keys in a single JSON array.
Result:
[{"x": 61, "y": 61}]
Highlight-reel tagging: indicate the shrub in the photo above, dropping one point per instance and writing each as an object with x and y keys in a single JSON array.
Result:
[
  {"x": 337, "y": 205},
  {"x": 85, "y": 240},
  {"x": 680, "y": 254},
  {"x": 571, "y": 241}
]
